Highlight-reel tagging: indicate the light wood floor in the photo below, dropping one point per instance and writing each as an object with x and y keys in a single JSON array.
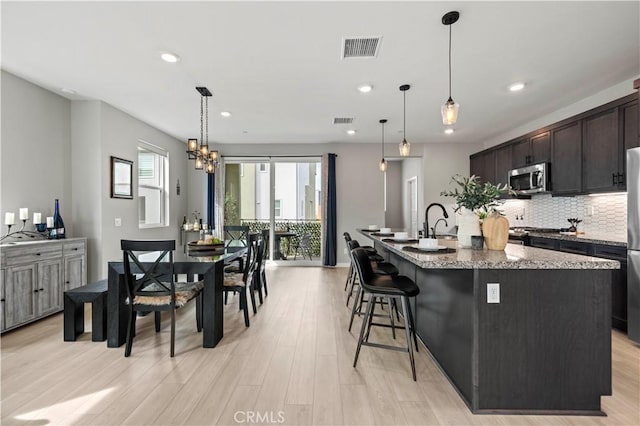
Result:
[{"x": 294, "y": 364}]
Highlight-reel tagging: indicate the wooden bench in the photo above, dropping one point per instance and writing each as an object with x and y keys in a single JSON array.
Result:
[{"x": 74, "y": 300}]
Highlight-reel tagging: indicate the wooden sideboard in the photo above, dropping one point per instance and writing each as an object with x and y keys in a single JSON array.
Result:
[{"x": 34, "y": 276}]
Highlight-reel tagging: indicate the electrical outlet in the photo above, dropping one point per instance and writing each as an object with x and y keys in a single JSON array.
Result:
[
  {"x": 590, "y": 210},
  {"x": 493, "y": 292},
  {"x": 117, "y": 222}
]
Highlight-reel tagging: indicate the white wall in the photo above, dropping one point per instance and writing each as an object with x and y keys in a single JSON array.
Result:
[{"x": 35, "y": 151}]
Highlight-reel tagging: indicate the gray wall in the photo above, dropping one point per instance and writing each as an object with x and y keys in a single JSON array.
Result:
[
  {"x": 440, "y": 163},
  {"x": 55, "y": 148},
  {"x": 394, "y": 207},
  {"x": 35, "y": 151}
]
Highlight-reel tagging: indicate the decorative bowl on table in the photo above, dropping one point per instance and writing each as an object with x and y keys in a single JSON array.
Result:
[{"x": 205, "y": 245}]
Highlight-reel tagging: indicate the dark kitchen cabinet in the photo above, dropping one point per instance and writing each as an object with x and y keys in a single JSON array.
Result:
[
  {"x": 601, "y": 152},
  {"x": 545, "y": 243},
  {"x": 483, "y": 164},
  {"x": 565, "y": 159},
  {"x": 532, "y": 150},
  {"x": 618, "y": 283},
  {"x": 503, "y": 165},
  {"x": 630, "y": 128}
]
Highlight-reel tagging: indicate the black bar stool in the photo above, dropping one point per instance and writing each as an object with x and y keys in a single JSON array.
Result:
[{"x": 385, "y": 286}]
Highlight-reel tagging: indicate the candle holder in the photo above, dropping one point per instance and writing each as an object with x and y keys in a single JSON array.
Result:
[{"x": 21, "y": 233}]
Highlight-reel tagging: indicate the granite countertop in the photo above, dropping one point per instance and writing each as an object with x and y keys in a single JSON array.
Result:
[
  {"x": 515, "y": 256},
  {"x": 591, "y": 237}
]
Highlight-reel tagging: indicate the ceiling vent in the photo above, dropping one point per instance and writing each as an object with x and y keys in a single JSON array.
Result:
[
  {"x": 360, "y": 47},
  {"x": 343, "y": 120}
]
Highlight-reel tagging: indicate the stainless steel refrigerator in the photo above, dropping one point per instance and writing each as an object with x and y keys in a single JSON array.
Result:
[{"x": 633, "y": 244}]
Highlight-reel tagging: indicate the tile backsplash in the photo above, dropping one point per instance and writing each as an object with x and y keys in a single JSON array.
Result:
[{"x": 599, "y": 214}]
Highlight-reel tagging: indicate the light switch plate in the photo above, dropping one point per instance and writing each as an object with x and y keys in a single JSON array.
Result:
[
  {"x": 493, "y": 292},
  {"x": 117, "y": 222}
]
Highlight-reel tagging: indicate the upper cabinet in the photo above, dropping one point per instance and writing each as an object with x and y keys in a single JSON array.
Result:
[
  {"x": 531, "y": 150},
  {"x": 483, "y": 165},
  {"x": 566, "y": 164},
  {"x": 601, "y": 152},
  {"x": 586, "y": 152}
]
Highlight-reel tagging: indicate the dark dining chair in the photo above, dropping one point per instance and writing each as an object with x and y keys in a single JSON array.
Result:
[
  {"x": 243, "y": 282},
  {"x": 151, "y": 285}
]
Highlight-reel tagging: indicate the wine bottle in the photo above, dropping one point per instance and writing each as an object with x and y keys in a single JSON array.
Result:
[
  {"x": 58, "y": 231},
  {"x": 184, "y": 223}
]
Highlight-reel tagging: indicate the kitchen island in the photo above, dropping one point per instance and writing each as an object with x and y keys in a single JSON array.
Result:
[{"x": 544, "y": 348}]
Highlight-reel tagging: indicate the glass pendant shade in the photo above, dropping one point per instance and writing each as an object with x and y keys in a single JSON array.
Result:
[
  {"x": 211, "y": 168},
  {"x": 213, "y": 155},
  {"x": 450, "y": 112},
  {"x": 383, "y": 165},
  {"x": 192, "y": 145},
  {"x": 204, "y": 150},
  {"x": 405, "y": 148},
  {"x": 199, "y": 163}
]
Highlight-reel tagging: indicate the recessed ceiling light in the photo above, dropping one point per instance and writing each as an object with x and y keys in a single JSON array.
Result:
[
  {"x": 68, "y": 91},
  {"x": 172, "y": 58},
  {"x": 365, "y": 88},
  {"x": 351, "y": 132},
  {"x": 225, "y": 114},
  {"x": 516, "y": 87},
  {"x": 448, "y": 131}
]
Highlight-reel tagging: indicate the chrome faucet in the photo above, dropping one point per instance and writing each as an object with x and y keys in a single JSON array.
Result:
[
  {"x": 433, "y": 230},
  {"x": 426, "y": 218}
]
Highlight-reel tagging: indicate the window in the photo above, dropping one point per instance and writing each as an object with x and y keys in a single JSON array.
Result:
[
  {"x": 153, "y": 178},
  {"x": 276, "y": 208}
]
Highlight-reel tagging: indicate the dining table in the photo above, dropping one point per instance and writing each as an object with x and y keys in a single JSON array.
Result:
[{"x": 203, "y": 263}]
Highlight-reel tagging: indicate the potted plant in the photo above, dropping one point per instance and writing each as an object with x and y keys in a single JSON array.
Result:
[{"x": 475, "y": 201}]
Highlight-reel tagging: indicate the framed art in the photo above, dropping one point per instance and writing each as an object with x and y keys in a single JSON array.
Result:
[{"x": 121, "y": 178}]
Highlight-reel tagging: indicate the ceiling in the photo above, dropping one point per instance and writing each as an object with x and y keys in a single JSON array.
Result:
[{"x": 277, "y": 67}]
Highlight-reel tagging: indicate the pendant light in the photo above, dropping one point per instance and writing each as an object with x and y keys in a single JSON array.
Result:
[
  {"x": 205, "y": 158},
  {"x": 450, "y": 108},
  {"x": 404, "y": 146},
  {"x": 383, "y": 162}
]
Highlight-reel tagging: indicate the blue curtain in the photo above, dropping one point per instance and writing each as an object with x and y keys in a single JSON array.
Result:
[
  {"x": 330, "y": 230},
  {"x": 211, "y": 200}
]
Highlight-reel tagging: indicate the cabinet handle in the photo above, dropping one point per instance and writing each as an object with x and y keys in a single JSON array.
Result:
[
  {"x": 42, "y": 289},
  {"x": 37, "y": 254},
  {"x": 75, "y": 248},
  {"x": 67, "y": 282},
  {"x": 613, "y": 177},
  {"x": 35, "y": 291},
  {"x": 2, "y": 300},
  {"x": 620, "y": 178}
]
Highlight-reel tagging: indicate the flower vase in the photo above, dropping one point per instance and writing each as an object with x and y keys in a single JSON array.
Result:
[{"x": 468, "y": 226}]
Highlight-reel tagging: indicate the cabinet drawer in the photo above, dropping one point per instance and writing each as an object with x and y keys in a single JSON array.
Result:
[
  {"x": 611, "y": 252},
  {"x": 545, "y": 243},
  {"x": 576, "y": 247},
  {"x": 73, "y": 247},
  {"x": 22, "y": 255}
]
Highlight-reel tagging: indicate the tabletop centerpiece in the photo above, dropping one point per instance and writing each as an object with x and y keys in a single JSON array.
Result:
[{"x": 476, "y": 201}]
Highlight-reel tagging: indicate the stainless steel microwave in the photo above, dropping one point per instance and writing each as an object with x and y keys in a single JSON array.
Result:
[{"x": 530, "y": 179}]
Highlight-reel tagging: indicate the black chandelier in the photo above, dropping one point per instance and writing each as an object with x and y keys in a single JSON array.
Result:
[{"x": 205, "y": 159}]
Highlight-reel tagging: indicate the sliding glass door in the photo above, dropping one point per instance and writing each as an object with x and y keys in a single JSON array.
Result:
[{"x": 282, "y": 196}]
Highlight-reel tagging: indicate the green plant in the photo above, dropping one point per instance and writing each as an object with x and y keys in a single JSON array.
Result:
[{"x": 470, "y": 193}]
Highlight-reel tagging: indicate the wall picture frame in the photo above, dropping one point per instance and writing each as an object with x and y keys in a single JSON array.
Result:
[{"x": 121, "y": 178}]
